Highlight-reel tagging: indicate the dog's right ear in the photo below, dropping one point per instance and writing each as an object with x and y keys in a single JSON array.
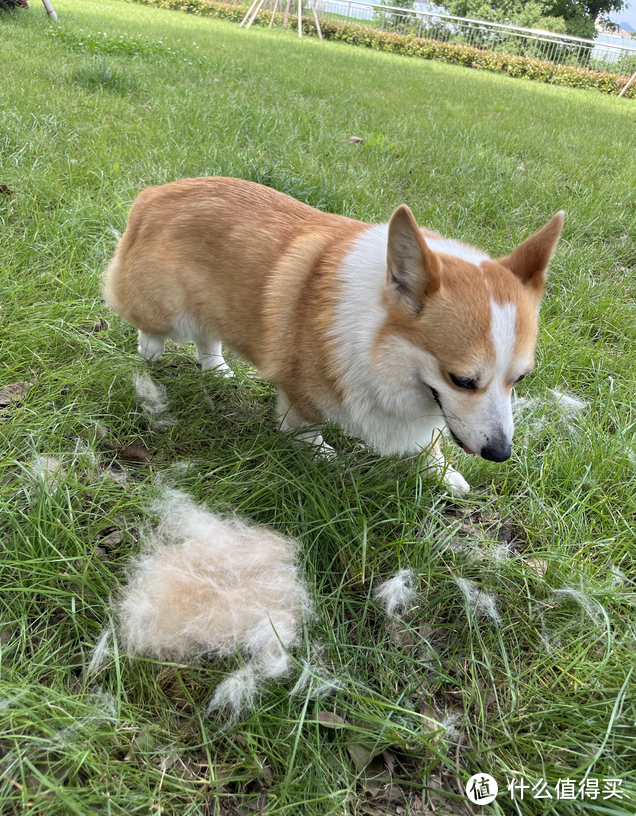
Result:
[{"x": 413, "y": 271}]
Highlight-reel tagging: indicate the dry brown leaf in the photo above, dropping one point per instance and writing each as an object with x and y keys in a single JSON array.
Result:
[
  {"x": 401, "y": 635},
  {"x": 101, "y": 434},
  {"x": 330, "y": 720},
  {"x": 168, "y": 761},
  {"x": 355, "y": 140},
  {"x": 374, "y": 776},
  {"x": 112, "y": 541},
  {"x": 136, "y": 453},
  {"x": 185, "y": 768},
  {"x": 4, "y": 188},
  {"x": 430, "y": 717},
  {"x": 13, "y": 393},
  {"x": 417, "y": 805},
  {"x": 539, "y": 565},
  {"x": 267, "y": 773},
  {"x": 49, "y": 469},
  {"x": 389, "y": 761},
  {"x": 361, "y": 753}
]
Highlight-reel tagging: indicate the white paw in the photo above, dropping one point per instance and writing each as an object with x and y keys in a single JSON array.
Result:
[
  {"x": 220, "y": 368},
  {"x": 321, "y": 449},
  {"x": 150, "y": 352},
  {"x": 456, "y": 483},
  {"x": 324, "y": 451},
  {"x": 151, "y": 358},
  {"x": 150, "y": 348}
]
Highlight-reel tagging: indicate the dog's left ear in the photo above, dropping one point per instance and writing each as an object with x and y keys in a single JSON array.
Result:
[{"x": 529, "y": 260}]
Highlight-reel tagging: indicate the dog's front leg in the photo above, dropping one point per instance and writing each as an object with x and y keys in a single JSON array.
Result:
[
  {"x": 437, "y": 465},
  {"x": 289, "y": 421}
]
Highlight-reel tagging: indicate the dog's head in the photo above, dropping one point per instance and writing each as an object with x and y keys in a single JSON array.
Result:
[{"x": 470, "y": 323}]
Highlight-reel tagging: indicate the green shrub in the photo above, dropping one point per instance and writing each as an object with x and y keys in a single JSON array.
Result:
[
  {"x": 409, "y": 45},
  {"x": 7, "y": 5}
]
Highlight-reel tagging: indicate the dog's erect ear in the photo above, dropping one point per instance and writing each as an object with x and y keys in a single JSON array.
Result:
[
  {"x": 412, "y": 269},
  {"x": 530, "y": 259}
]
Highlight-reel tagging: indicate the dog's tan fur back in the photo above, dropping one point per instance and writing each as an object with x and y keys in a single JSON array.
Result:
[{"x": 207, "y": 247}]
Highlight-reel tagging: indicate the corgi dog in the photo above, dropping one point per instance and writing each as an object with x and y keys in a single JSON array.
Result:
[{"x": 390, "y": 331}]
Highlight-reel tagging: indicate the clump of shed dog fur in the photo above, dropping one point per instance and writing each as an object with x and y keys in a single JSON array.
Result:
[{"x": 210, "y": 586}]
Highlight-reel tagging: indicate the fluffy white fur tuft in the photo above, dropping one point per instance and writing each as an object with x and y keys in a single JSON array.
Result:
[
  {"x": 567, "y": 402},
  {"x": 101, "y": 652},
  {"x": 153, "y": 399},
  {"x": 236, "y": 693},
  {"x": 47, "y": 472},
  {"x": 593, "y": 608},
  {"x": 479, "y": 602},
  {"x": 322, "y": 686},
  {"x": 398, "y": 593},
  {"x": 114, "y": 232},
  {"x": 204, "y": 585}
]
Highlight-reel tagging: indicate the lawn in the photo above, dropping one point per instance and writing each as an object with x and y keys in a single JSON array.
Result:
[{"x": 539, "y": 689}]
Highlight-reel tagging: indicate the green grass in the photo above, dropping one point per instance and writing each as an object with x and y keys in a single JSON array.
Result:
[{"x": 121, "y": 96}]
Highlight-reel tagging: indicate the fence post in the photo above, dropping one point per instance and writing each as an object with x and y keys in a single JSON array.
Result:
[
  {"x": 249, "y": 12},
  {"x": 628, "y": 83},
  {"x": 50, "y": 10},
  {"x": 253, "y": 17},
  {"x": 313, "y": 8}
]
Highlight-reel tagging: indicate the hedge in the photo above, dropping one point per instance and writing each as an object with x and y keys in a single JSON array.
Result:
[{"x": 454, "y": 53}]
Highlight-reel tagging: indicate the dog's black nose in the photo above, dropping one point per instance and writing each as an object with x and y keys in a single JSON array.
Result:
[{"x": 496, "y": 451}]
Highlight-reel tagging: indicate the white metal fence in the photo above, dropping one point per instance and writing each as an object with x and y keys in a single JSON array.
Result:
[{"x": 619, "y": 58}]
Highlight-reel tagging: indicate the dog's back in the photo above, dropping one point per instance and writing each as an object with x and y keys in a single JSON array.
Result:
[{"x": 202, "y": 249}]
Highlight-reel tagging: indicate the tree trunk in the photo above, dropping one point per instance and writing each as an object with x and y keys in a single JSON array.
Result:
[{"x": 289, "y": 2}]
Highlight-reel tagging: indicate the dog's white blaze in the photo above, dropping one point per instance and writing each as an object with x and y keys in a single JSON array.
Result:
[
  {"x": 503, "y": 334},
  {"x": 457, "y": 250}
]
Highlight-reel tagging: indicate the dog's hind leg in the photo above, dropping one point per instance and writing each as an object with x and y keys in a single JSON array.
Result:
[
  {"x": 210, "y": 356},
  {"x": 290, "y": 421},
  {"x": 150, "y": 346}
]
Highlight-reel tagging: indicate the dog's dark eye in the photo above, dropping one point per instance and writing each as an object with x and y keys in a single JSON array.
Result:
[
  {"x": 463, "y": 382},
  {"x": 522, "y": 377}
]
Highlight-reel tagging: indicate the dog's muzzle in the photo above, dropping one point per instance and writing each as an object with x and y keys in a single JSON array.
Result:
[{"x": 496, "y": 451}]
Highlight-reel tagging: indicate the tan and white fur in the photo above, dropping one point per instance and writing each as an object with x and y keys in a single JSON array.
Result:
[{"x": 388, "y": 330}]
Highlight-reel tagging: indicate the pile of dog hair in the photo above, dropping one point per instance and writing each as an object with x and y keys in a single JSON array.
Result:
[{"x": 208, "y": 586}]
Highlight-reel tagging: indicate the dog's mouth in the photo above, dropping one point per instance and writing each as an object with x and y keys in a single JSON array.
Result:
[{"x": 456, "y": 439}]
